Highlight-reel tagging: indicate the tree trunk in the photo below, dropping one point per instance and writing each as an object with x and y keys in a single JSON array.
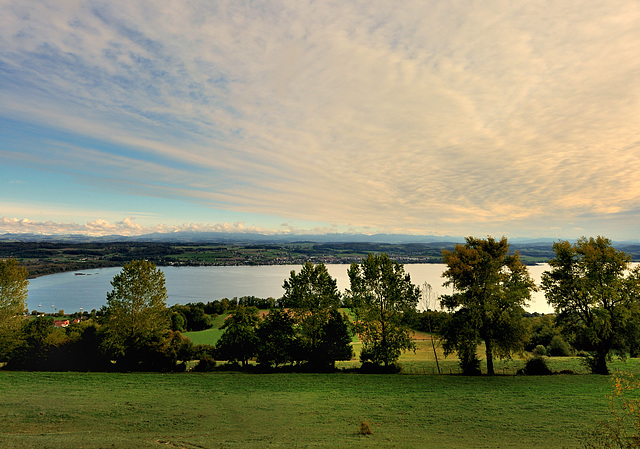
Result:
[
  {"x": 489, "y": 350},
  {"x": 435, "y": 354},
  {"x": 598, "y": 362}
]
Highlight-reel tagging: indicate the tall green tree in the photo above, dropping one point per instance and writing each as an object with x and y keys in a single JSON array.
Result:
[
  {"x": 336, "y": 340},
  {"x": 13, "y": 299},
  {"x": 593, "y": 290},
  {"x": 239, "y": 342},
  {"x": 313, "y": 296},
  {"x": 137, "y": 318},
  {"x": 380, "y": 293},
  {"x": 490, "y": 289},
  {"x": 278, "y": 341}
]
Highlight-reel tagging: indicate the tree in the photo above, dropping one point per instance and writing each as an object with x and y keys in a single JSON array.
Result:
[
  {"x": 490, "y": 289},
  {"x": 335, "y": 343},
  {"x": 543, "y": 329},
  {"x": 137, "y": 318},
  {"x": 277, "y": 339},
  {"x": 313, "y": 295},
  {"x": 380, "y": 293},
  {"x": 239, "y": 342},
  {"x": 13, "y": 298},
  {"x": 194, "y": 316},
  {"x": 429, "y": 301},
  {"x": 38, "y": 347},
  {"x": 593, "y": 290}
]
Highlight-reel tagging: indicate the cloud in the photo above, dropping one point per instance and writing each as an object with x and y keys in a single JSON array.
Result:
[
  {"x": 126, "y": 227},
  {"x": 427, "y": 116}
]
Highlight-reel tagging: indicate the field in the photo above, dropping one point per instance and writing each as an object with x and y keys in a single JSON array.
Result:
[
  {"x": 208, "y": 336},
  {"x": 223, "y": 410},
  {"x": 231, "y": 409}
]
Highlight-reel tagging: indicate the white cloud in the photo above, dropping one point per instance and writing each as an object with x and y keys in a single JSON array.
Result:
[
  {"x": 125, "y": 227},
  {"x": 435, "y": 117}
]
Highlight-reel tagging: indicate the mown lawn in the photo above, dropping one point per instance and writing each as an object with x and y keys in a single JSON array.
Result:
[{"x": 226, "y": 409}]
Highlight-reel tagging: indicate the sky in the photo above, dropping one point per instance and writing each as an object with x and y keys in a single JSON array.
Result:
[{"x": 426, "y": 117}]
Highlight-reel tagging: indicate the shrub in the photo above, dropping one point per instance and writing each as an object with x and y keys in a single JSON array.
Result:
[
  {"x": 374, "y": 368},
  {"x": 536, "y": 366},
  {"x": 205, "y": 364},
  {"x": 540, "y": 351},
  {"x": 199, "y": 352},
  {"x": 469, "y": 361},
  {"x": 558, "y": 347}
]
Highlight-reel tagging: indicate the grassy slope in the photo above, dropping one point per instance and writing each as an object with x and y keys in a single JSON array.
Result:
[
  {"x": 60, "y": 410},
  {"x": 209, "y": 336}
]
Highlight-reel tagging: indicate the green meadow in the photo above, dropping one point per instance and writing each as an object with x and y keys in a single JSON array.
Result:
[
  {"x": 209, "y": 336},
  {"x": 231, "y": 409},
  {"x": 224, "y": 409}
]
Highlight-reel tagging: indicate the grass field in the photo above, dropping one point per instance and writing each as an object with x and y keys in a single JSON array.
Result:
[
  {"x": 233, "y": 410},
  {"x": 224, "y": 410},
  {"x": 208, "y": 336}
]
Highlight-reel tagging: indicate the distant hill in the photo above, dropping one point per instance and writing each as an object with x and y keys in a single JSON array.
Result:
[
  {"x": 47, "y": 254},
  {"x": 542, "y": 247},
  {"x": 221, "y": 237},
  {"x": 229, "y": 237}
]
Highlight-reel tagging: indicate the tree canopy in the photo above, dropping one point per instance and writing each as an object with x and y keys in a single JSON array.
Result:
[
  {"x": 594, "y": 291},
  {"x": 380, "y": 293},
  {"x": 313, "y": 296},
  {"x": 490, "y": 289},
  {"x": 13, "y": 298},
  {"x": 137, "y": 314},
  {"x": 239, "y": 342},
  {"x": 278, "y": 340}
]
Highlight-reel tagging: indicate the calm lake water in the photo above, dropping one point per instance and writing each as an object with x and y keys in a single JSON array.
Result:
[{"x": 72, "y": 292}]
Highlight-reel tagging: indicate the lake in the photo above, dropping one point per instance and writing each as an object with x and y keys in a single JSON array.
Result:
[{"x": 73, "y": 291}]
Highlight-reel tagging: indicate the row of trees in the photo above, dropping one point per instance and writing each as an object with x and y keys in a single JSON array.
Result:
[
  {"x": 593, "y": 288},
  {"x": 595, "y": 293},
  {"x": 134, "y": 330},
  {"x": 312, "y": 330}
]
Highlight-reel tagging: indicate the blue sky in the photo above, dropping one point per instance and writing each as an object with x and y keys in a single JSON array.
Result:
[{"x": 418, "y": 117}]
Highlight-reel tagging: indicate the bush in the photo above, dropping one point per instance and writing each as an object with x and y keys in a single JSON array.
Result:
[
  {"x": 374, "y": 368},
  {"x": 536, "y": 366},
  {"x": 540, "y": 351},
  {"x": 469, "y": 361},
  {"x": 205, "y": 364},
  {"x": 199, "y": 352},
  {"x": 558, "y": 347}
]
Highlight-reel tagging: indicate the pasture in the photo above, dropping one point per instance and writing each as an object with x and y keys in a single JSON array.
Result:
[{"x": 229, "y": 409}]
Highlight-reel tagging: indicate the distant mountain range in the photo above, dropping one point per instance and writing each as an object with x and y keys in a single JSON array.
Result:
[
  {"x": 228, "y": 237},
  {"x": 243, "y": 238}
]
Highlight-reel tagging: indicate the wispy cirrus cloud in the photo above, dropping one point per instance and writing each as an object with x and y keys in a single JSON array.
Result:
[{"x": 425, "y": 117}]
